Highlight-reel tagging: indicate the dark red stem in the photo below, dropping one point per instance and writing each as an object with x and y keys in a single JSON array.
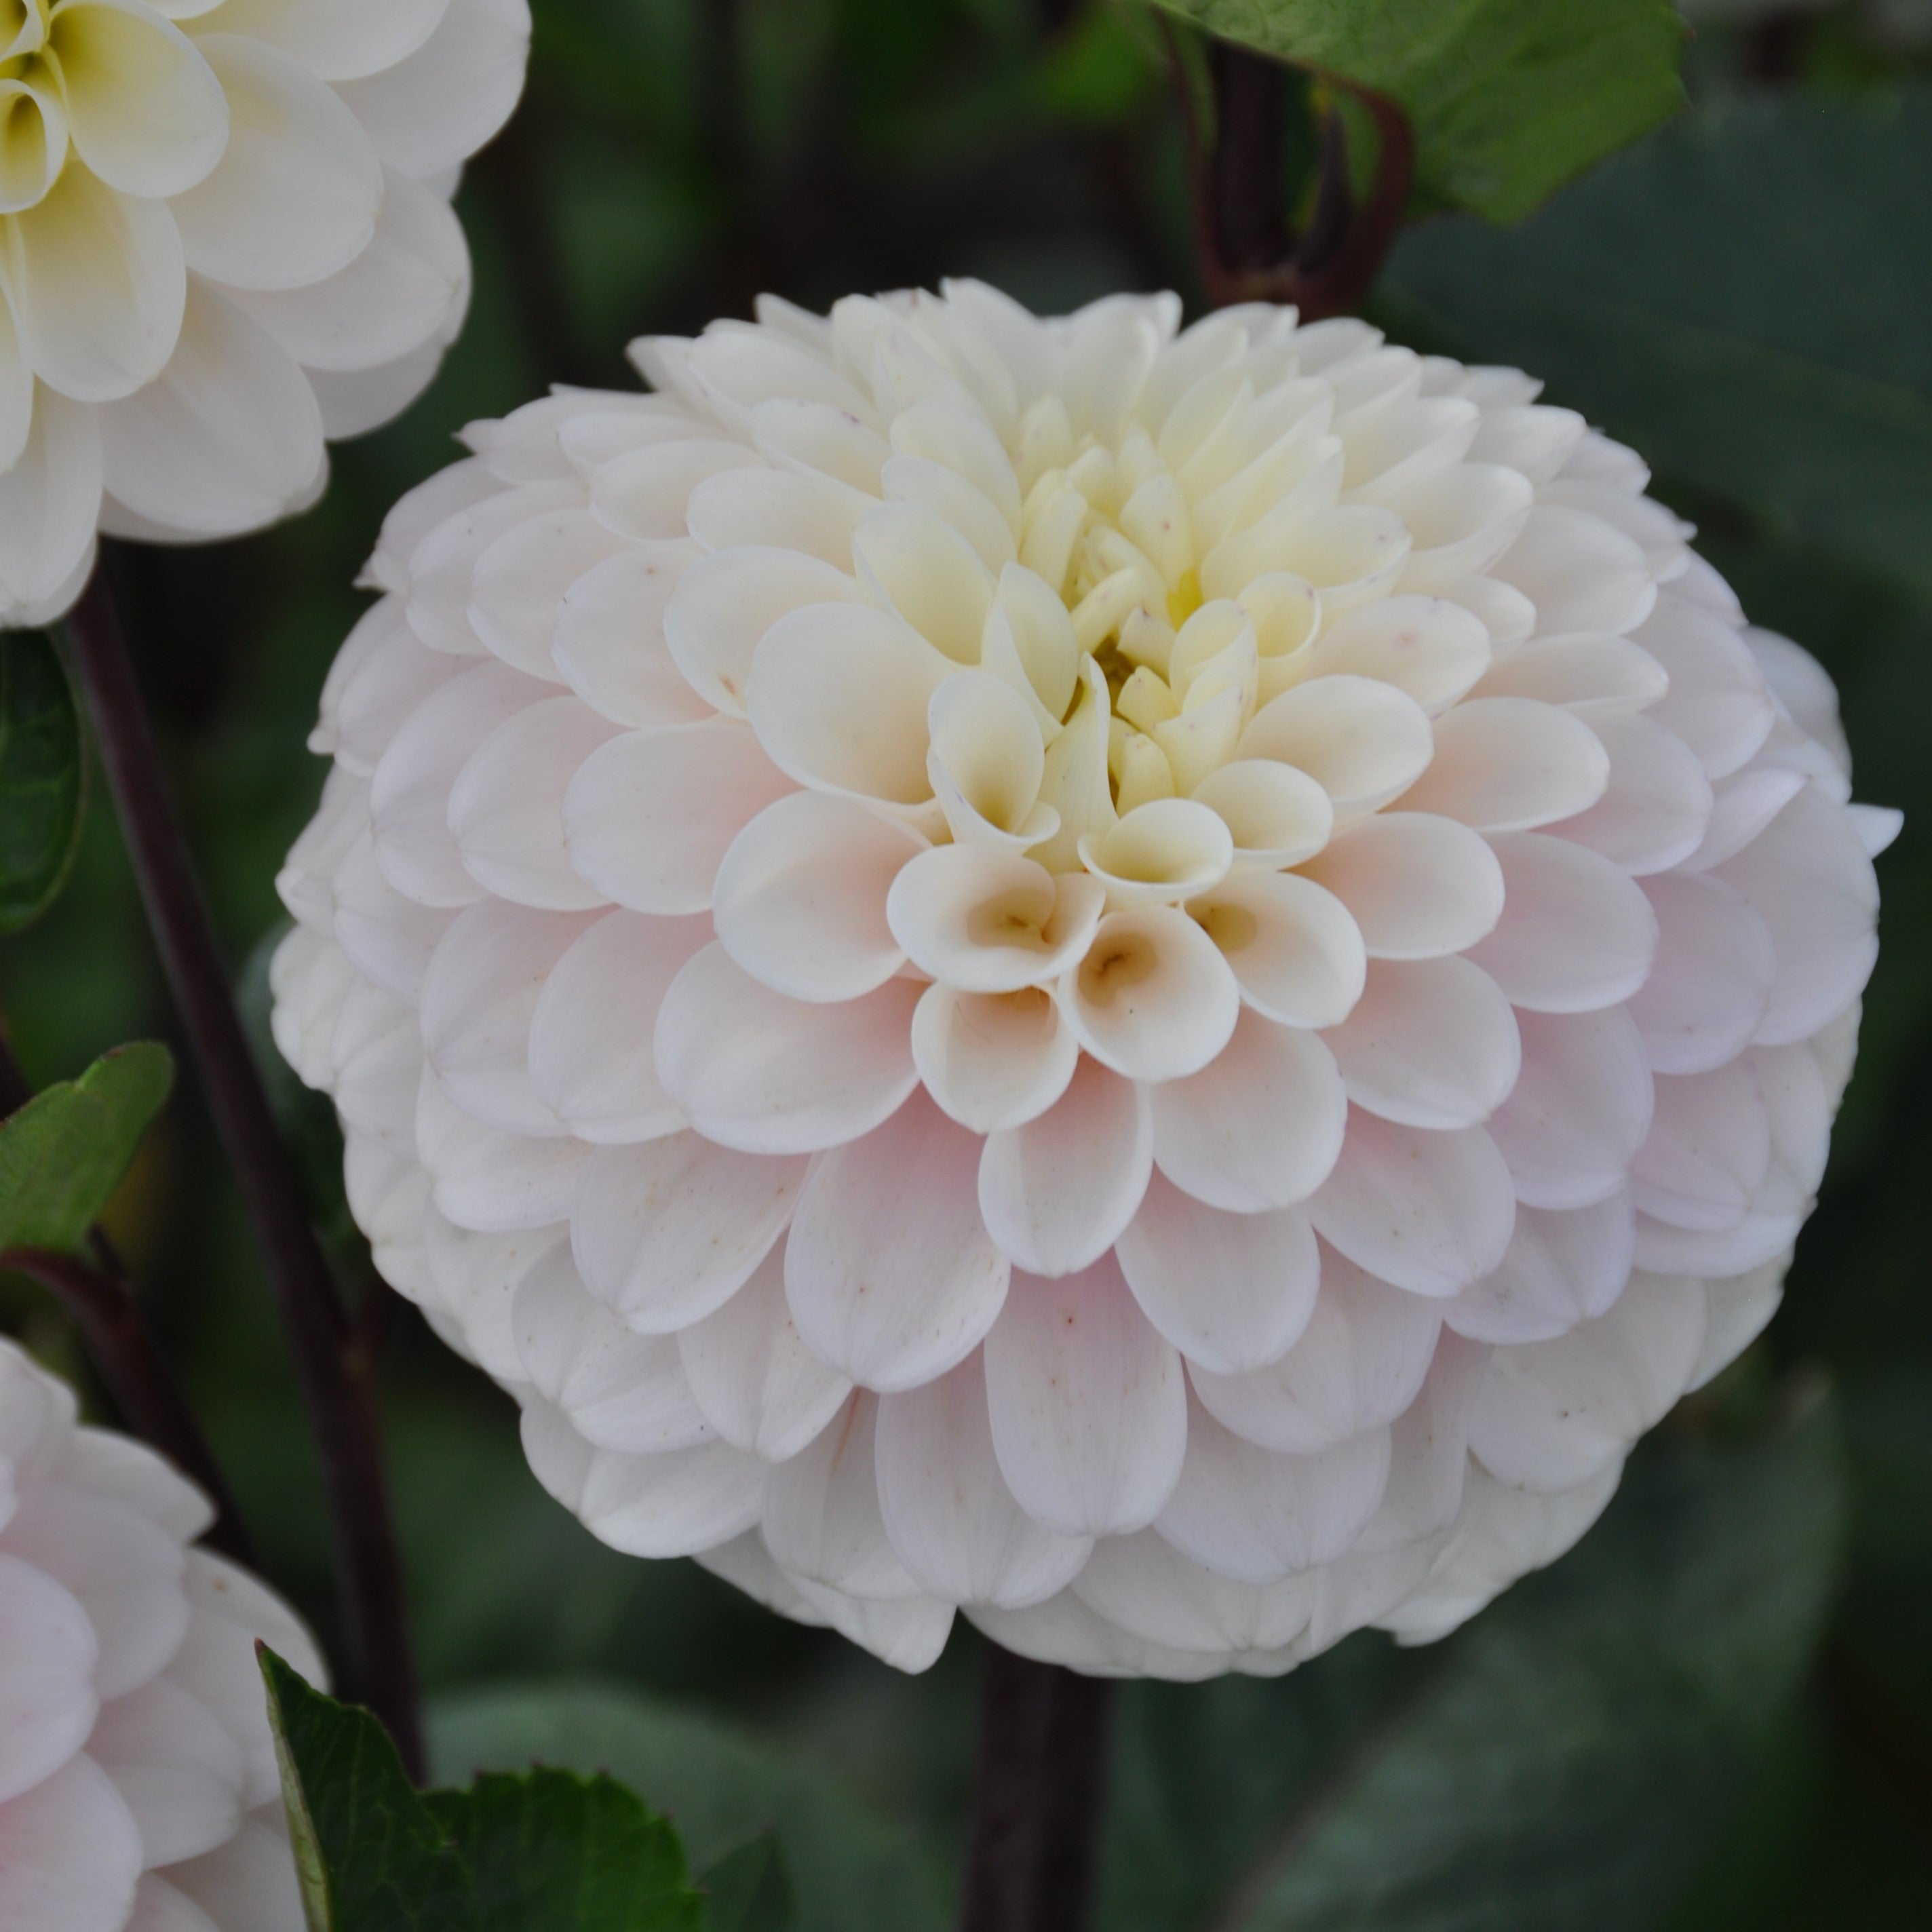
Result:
[
  {"x": 1038, "y": 1792},
  {"x": 1248, "y": 248},
  {"x": 335, "y": 1371},
  {"x": 124, "y": 1354}
]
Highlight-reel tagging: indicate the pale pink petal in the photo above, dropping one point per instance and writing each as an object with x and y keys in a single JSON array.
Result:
[
  {"x": 1260, "y": 1126},
  {"x": 648, "y": 818},
  {"x": 1577, "y": 934},
  {"x": 1259, "y": 1516},
  {"x": 1231, "y": 1291},
  {"x": 993, "y": 1060},
  {"x": 1153, "y": 998},
  {"x": 1417, "y": 886},
  {"x": 1718, "y": 703},
  {"x": 69, "y": 1855},
  {"x": 1708, "y": 990},
  {"x": 1088, "y": 1404},
  {"x": 1505, "y": 764},
  {"x": 891, "y": 1275},
  {"x": 1563, "y": 1266},
  {"x": 1580, "y": 1108},
  {"x": 822, "y": 1522},
  {"x": 1428, "y": 1212},
  {"x": 666, "y": 1232},
  {"x": 1431, "y": 1043},
  {"x": 1296, "y": 951},
  {"x": 951, "y": 1519},
  {"x": 1657, "y": 807},
  {"x": 800, "y": 899},
  {"x": 1357, "y": 1364},
  {"x": 755, "y": 1070},
  {"x": 759, "y": 1387},
  {"x": 1709, "y": 1149},
  {"x": 1056, "y": 1192},
  {"x": 589, "y": 1054}
]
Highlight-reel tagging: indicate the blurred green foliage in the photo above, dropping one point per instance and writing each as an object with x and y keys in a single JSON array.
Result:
[{"x": 1718, "y": 1713}]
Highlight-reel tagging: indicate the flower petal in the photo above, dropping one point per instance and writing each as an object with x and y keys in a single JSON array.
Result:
[
  {"x": 1580, "y": 1108},
  {"x": 1502, "y": 764},
  {"x": 1417, "y": 886},
  {"x": 1230, "y": 1292},
  {"x": 1562, "y": 1268},
  {"x": 1296, "y": 952},
  {"x": 951, "y": 1519},
  {"x": 1260, "y": 1126},
  {"x": 993, "y": 1060},
  {"x": 1428, "y": 1212},
  {"x": 666, "y": 1232},
  {"x": 891, "y": 1275},
  {"x": 1056, "y": 1191},
  {"x": 755, "y": 1070},
  {"x": 1363, "y": 741},
  {"x": 649, "y": 817},
  {"x": 1088, "y": 1405},
  {"x": 725, "y": 603},
  {"x": 1153, "y": 998}
]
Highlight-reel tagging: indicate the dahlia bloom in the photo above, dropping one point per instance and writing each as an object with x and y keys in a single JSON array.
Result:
[
  {"x": 1158, "y": 985},
  {"x": 138, "y": 1786},
  {"x": 225, "y": 233}
]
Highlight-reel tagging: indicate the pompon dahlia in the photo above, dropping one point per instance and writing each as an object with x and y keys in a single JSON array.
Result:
[
  {"x": 225, "y": 233},
  {"x": 1161, "y": 986},
  {"x": 138, "y": 1786}
]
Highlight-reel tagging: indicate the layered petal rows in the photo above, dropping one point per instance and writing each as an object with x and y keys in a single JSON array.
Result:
[
  {"x": 1160, "y": 985},
  {"x": 138, "y": 1791},
  {"x": 225, "y": 235}
]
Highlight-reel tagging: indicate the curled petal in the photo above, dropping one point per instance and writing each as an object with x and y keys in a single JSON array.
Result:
[
  {"x": 1297, "y": 954},
  {"x": 988, "y": 921},
  {"x": 1153, "y": 998},
  {"x": 993, "y": 1060},
  {"x": 1167, "y": 850}
]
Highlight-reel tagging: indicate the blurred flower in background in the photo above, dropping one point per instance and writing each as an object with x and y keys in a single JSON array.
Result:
[
  {"x": 227, "y": 236},
  {"x": 1048, "y": 967},
  {"x": 138, "y": 1781}
]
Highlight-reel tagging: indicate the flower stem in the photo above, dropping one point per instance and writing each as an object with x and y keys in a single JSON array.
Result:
[
  {"x": 1249, "y": 251},
  {"x": 1037, "y": 1797},
  {"x": 334, "y": 1367}
]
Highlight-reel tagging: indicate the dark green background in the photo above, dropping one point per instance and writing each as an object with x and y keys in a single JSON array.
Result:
[{"x": 1718, "y": 1712}]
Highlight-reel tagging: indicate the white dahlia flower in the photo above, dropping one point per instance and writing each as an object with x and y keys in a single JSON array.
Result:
[
  {"x": 1159, "y": 986},
  {"x": 225, "y": 233},
  {"x": 138, "y": 1786}
]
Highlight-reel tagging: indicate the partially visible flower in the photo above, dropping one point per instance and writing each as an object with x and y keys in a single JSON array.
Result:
[
  {"x": 225, "y": 234},
  {"x": 1162, "y": 986},
  {"x": 138, "y": 1785}
]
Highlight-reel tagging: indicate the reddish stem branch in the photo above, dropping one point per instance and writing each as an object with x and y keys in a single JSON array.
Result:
[
  {"x": 336, "y": 1376},
  {"x": 123, "y": 1353},
  {"x": 1037, "y": 1797},
  {"x": 1249, "y": 249}
]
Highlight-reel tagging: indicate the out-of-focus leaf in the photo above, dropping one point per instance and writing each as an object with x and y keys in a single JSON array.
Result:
[
  {"x": 1509, "y": 99},
  {"x": 1584, "y": 1738},
  {"x": 551, "y": 1851},
  {"x": 43, "y": 778},
  {"x": 1560, "y": 1765},
  {"x": 63, "y": 1154},
  {"x": 747, "y": 1890},
  {"x": 1746, "y": 299},
  {"x": 370, "y": 1856},
  {"x": 546, "y": 1851},
  {"x": 849, "y": 1870}
]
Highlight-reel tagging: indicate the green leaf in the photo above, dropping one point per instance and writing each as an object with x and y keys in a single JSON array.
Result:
[
  {"x": 63, "y": 1154},
  {"x": 551, "y": 1851},
  {"x": 370, "y": 1855},
  {"x": 1744, "y": 299},
  {"x": 748, "y": 1890},
  {"x": 1509, "y": 99},
  {"x": 1561, "y": 1765},
  {"x": 849, "y": 1870},
  {"x": 43, "y": 778},
  {"x": 546, "y": 1851}
]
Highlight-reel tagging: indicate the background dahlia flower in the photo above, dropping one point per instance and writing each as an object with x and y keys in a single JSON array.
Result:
[
  {"x": 1158, "y": 985},
  {"x": 138, "y": 1784},
  {"x": 225, "y": 233}
]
